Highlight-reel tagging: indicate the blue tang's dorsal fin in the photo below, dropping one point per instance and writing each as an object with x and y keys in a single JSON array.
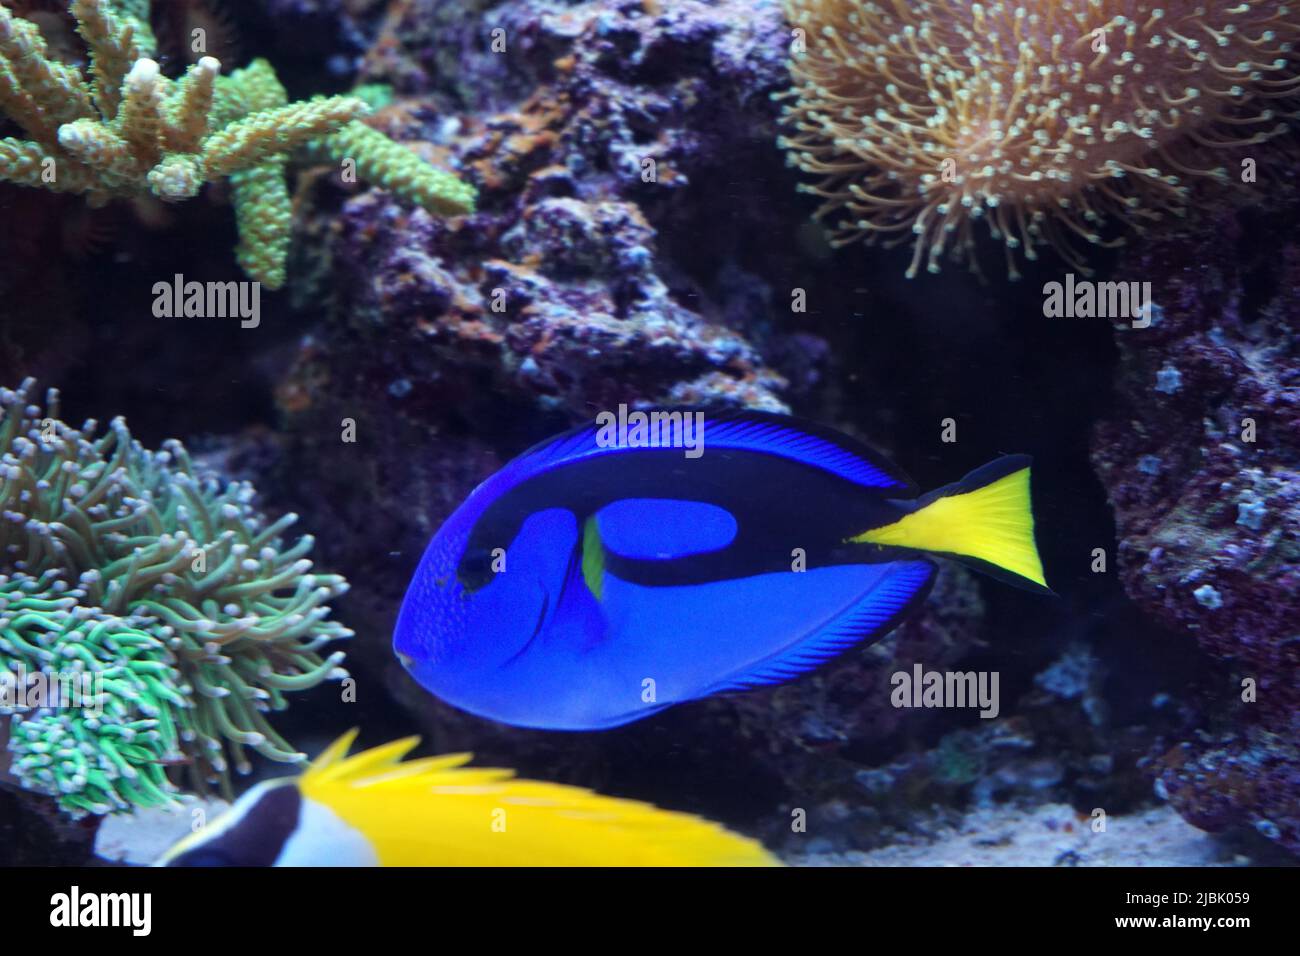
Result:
[{"x": 783, "y": 436}]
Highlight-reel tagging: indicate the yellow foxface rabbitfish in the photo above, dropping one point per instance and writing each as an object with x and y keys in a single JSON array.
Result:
[{"x": 372, "y": 809}]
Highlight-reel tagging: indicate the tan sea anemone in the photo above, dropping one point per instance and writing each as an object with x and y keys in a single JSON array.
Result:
[{"x": 1042, "y": 118}]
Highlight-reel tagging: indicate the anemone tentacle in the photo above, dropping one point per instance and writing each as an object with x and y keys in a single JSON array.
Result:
[
  {"x": 1043, "y": 119},
  {"x": 169, "y": 590}
]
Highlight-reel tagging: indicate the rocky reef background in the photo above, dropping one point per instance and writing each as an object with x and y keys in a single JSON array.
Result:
[{"x": 639, "y": 239}]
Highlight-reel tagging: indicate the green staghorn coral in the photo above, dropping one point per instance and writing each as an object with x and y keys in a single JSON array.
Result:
[
  {"x": 391, "y": 165},
  {"x": 127, "y": 130},
  {"x": 176, "y": 597}
]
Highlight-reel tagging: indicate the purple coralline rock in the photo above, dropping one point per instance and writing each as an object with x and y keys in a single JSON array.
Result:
[
  {"x": 569, "y": 314},
  {"x": 1202, "y": 466},
  {"x": 1249, "y": 776},
  {"x": 638, "y": 67},
  {"x": 559, "y": 288}
]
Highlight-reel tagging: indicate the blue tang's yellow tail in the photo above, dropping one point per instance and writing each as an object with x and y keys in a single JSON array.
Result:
[{"x": 985, "y": 519}]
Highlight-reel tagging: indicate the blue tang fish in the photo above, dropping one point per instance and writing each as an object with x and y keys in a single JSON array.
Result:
[{"x": 595, "y": 580}]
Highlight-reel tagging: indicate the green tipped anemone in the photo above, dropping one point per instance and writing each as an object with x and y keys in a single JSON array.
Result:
[{"x": 165, "y": 592}]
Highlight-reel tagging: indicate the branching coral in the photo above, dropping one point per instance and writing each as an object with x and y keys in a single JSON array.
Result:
[
  {"x": 173, "y": 591},
  {"x": 1042, "y": 118},
  {"x": 128, "y": 130},
  {"x": 391, "y": 165}
]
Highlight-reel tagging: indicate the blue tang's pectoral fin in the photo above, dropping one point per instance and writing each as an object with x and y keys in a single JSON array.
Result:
[{"x": 893, "y": 591}]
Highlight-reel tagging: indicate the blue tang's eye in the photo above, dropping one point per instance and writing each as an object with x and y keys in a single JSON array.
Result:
[{"x": 475, "y": 569}]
